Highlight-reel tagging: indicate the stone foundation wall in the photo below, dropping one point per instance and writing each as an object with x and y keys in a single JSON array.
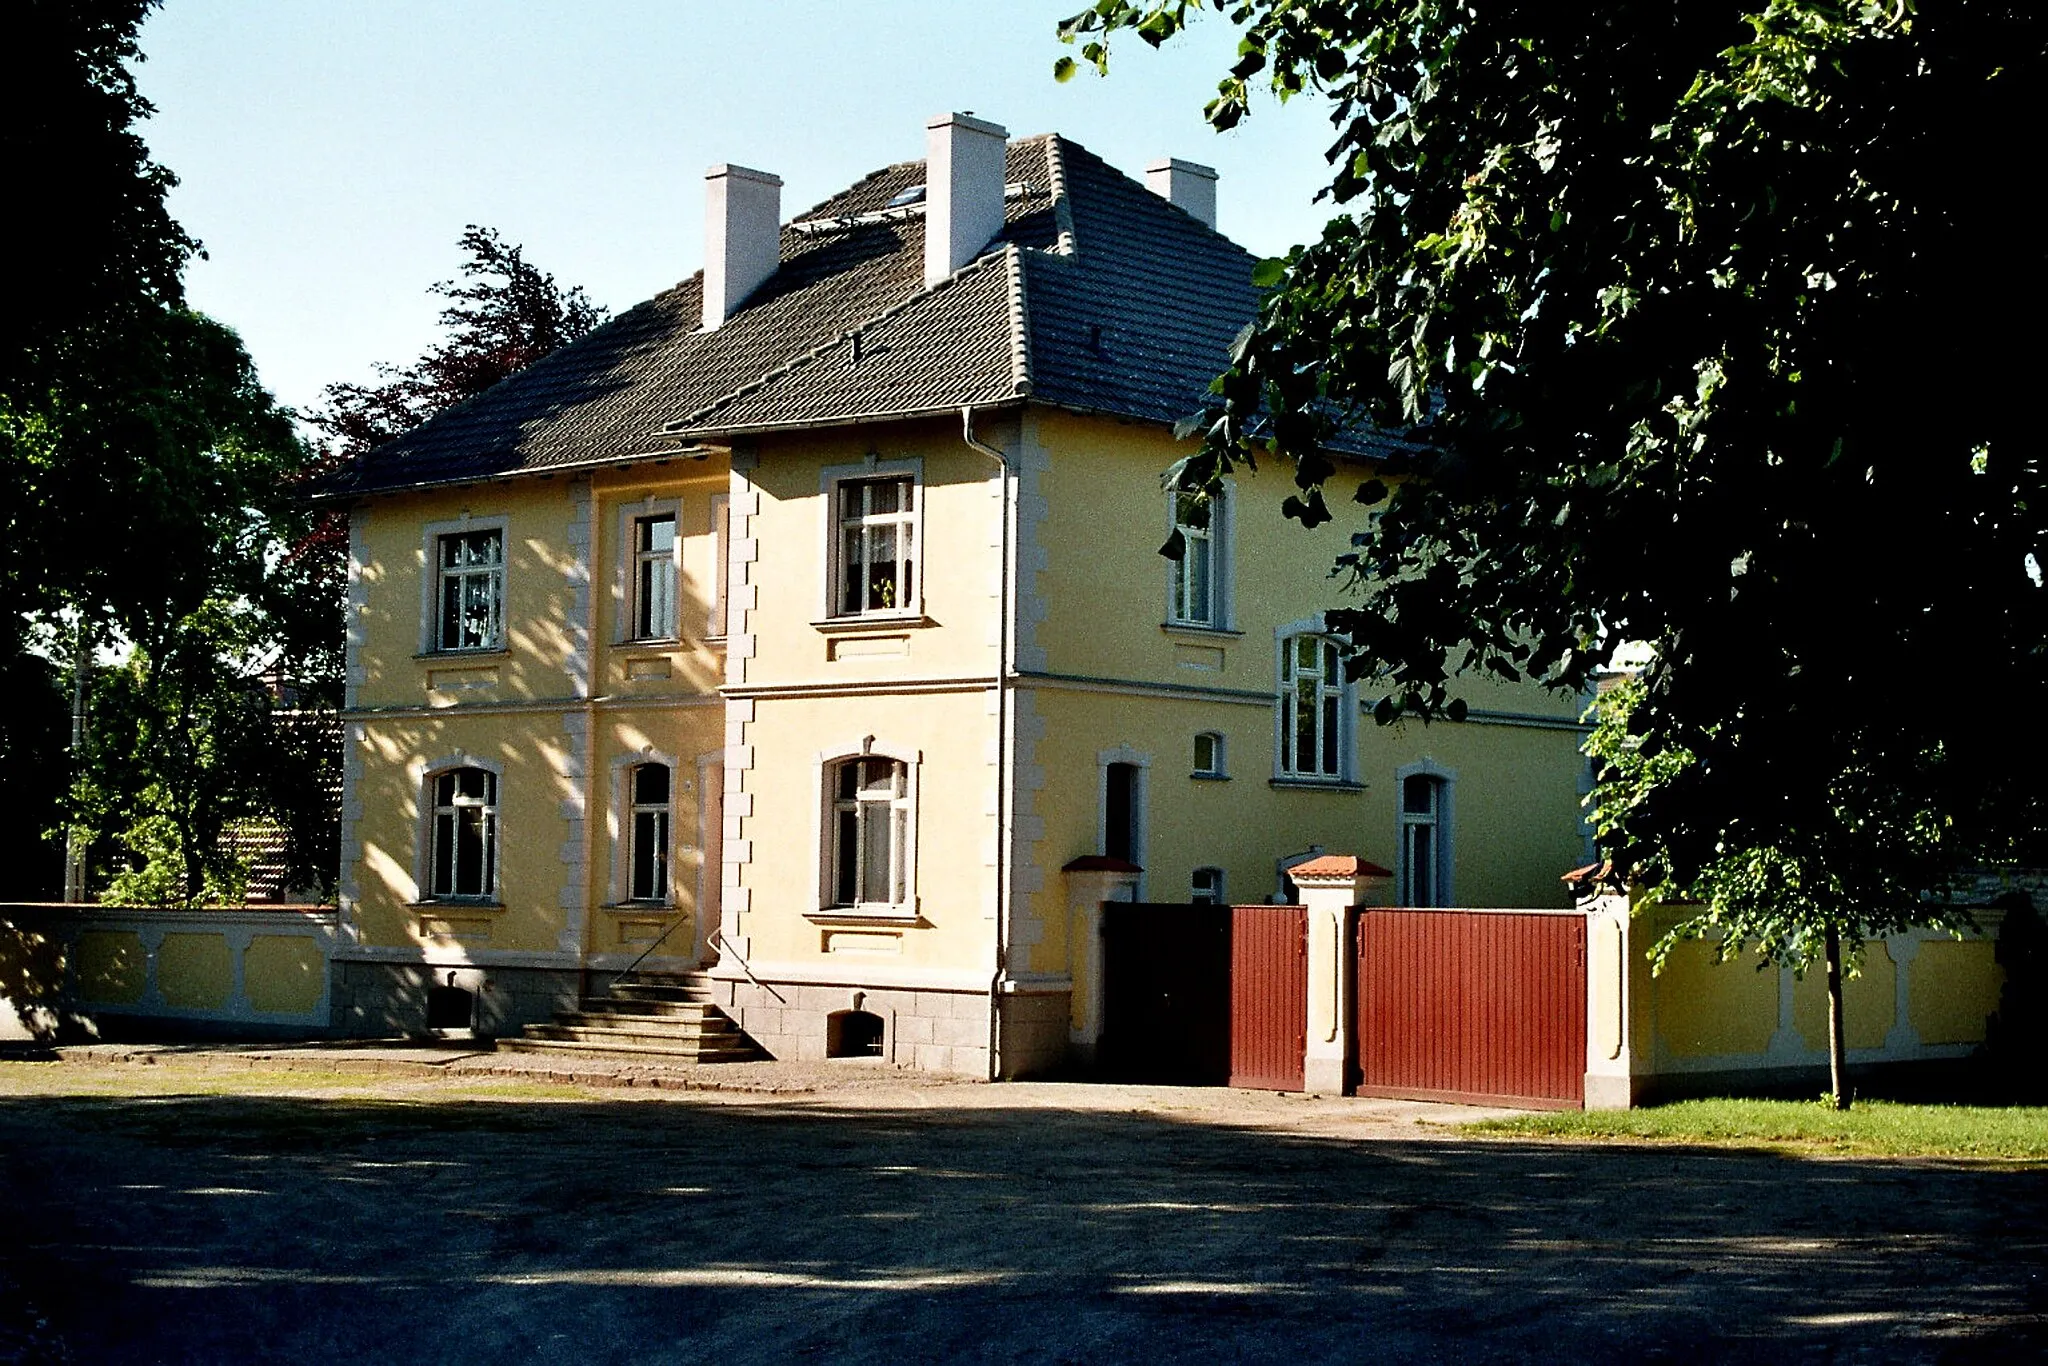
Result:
[
  {"x": 932, "y": 1031},
  {"x": 387, "y": 1000},
  {"x": 1034, "y": 1034}
]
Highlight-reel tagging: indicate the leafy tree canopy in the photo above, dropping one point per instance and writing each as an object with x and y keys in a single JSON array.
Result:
[{"x": 1714, "y": 324}]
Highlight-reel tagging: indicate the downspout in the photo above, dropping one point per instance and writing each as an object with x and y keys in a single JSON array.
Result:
[{"x": 1003, "y": 774}]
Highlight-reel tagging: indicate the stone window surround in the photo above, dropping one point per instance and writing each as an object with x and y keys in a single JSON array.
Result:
[{"x": 430, "y": 579}]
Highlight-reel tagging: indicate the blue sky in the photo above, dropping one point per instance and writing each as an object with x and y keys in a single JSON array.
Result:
[{"x": 330, "y": 151}]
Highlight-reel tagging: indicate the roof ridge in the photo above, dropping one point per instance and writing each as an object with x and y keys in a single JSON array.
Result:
[
  {"x": 1020, "y": 323},
  {"x": 1062, "y": 206},
  {"x": 692, "y": 418}
]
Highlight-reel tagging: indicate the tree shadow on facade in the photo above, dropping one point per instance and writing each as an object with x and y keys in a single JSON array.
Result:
[{"x": 231, "y": 1228}]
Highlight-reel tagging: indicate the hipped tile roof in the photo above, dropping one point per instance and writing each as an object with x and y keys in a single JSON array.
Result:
[{"x": 1097, "y": 295}]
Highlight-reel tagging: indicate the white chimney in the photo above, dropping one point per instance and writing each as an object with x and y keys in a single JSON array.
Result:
[
  {"x": 963, "y": 191},
  {"x": 742, "y": 237},
  {"x": 1185, "y": 184}
]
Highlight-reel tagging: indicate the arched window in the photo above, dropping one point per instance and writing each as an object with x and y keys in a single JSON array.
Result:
[
  {"x": 1425, "y": 841},
  {"x": 1209, "y": 757},
  {"x": 870, "y": 824},
  {"x": 648, "y": 834},
  {"x": 1314, "y": 728},
  {"x": 464, "y": 859}
]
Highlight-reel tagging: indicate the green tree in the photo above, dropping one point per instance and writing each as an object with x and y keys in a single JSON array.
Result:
[{"x": 1710, "y": 325}]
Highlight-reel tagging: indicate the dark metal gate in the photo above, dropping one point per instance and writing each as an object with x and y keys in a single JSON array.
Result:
[
  {"x": 1482, "y": 1007},
  {"x": 1166, "y": 993},
  {"x": 1202, "y": 995}
]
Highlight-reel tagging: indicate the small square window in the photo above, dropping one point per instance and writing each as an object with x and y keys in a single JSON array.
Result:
[
  {"x": 1207, "y": 889},
  {"x": 1209, "y": 755}
]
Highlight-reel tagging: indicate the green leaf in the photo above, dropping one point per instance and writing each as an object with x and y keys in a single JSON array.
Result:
[
  {"x": 1176, "y": 547},
  {"x": 1064, "y": 69},
  {"x": 1370, "y": 492},
  {"x": 1269, "y": 272}
]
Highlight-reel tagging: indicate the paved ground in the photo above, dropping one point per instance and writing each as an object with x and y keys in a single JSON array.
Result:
[{"x": 328, "y": 1204}]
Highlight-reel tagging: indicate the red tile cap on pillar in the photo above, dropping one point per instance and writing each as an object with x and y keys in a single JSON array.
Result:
[{"x": 1337, "y": 868}]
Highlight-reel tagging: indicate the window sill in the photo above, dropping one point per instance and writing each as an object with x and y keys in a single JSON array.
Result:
[
  {"x": 874, "y": 622},
  {"x": 1210, "y": 777},
  {"x": 436, "y": 656},
  {"x": 1317, "y": 784},
  {"x": 457, "y": 903},
  {"x": 651, "y": 644},
  {"x": 864, "y": 915},
  {"x": 1199, "y": 631},
  {"x": 639, "y": 908}
]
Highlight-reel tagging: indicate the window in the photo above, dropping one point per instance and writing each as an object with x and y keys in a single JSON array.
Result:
[
  {"x": 721, "y": 534},
  {"x": 870, "y": 853},
  {"x": 464, "y": 834},
  {"x": 1120, "y": 812},
  {"x": 877, "y": 555},
  {"x": 1313, "y": 728},
  {"x": 1424, "y": 860},
  {"x": 654, "y": 577},
  {"x": 1208, "y": 887},
  {"x": 648, "y": 834},
  {"x": 1209, "y": 755},
  {"x": 1192, "y": 588},
  {"x": 471, "y": 593}
]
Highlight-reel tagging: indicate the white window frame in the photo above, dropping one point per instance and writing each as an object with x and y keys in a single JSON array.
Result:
[
  {"x": 1219, "y": 752},
  {"x": 1218, "y": 541},
  {"x": 1445, "y": 782},
  {"x": 830, "y": 480},
  {"x": 426, "y": 779},
  {"x": 619, "y": 824},
  {"x": 824, "y": 768},
  {"x": 1217, "y": 895},
  {"x": 626, "y": 586},
  {"x": 1346, "y": 695},
  {"x": 432, "y": 535},
  {"x": 1141, "y": 795},
  {"x": 715, "y": 617}
]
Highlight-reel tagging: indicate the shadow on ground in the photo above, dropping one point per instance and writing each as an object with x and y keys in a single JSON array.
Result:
[{"x": 210, "y": 1229}]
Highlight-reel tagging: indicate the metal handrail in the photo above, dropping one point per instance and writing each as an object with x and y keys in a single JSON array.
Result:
[
  {"x": 724, "y": 946},
  {"x": 634, "y": 965}
]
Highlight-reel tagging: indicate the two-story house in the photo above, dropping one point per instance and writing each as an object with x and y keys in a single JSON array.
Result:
[{"x": 807, "y": 621}]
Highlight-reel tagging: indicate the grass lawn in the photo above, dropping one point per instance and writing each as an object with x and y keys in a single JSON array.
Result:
[{"x": 1874, "y": 1128}]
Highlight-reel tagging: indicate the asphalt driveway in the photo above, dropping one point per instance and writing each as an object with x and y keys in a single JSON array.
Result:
[{"x": 184, "y": 1217}]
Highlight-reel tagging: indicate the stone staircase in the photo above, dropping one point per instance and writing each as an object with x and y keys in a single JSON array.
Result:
[{"x": 669, "y": 1017}]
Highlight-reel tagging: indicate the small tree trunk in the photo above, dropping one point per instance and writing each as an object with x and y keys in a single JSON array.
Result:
[{"x": 1837, "y": 1051}]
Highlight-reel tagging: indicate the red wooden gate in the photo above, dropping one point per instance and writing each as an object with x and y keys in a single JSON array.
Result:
[
  {"x": 1476, "y": 1006},
  {"x": 1268, "y": 996}
]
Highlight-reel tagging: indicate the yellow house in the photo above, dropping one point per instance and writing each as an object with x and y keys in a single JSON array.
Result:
[{"x": 798, "y": 630}]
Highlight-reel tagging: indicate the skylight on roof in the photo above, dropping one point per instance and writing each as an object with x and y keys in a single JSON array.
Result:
[{"x": 913, "y": 195}]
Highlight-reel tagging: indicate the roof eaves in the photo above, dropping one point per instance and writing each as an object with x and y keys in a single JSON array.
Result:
[{"x": 844, "y": 419}]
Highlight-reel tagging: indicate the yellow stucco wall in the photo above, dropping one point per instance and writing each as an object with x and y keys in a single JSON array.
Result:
[
  {"x": 1869, "y": 1002},
  {"x": 111, "y": 968},
  {"x": 956, "y": 560},
  {"x": 195, "y": 971},
  {"x": 1706, "y": 1008},
  {"x": 530, "y": 711},
  {"x": 953, "y": 829},
  {"x": 1954, "y": 987},
  {"x": 284, "y": 974}
]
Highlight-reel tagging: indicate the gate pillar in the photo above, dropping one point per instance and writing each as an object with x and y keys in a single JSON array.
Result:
[
  {"x": 1614, "y": 962},
  {"x": 1330, "y": 886},
  {"x": 1091, "y": 880}
]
